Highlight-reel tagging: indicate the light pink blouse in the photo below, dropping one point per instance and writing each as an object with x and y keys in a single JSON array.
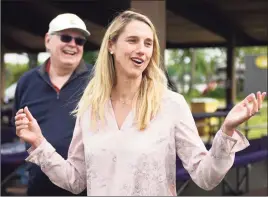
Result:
[{"x": 130, "y": 162}]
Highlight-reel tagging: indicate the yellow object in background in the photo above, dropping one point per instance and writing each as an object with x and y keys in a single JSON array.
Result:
[
  {"x": 205, "y": 105},
  {"x": 261, "y": 62},
  {"x": 201, "y": 105}
]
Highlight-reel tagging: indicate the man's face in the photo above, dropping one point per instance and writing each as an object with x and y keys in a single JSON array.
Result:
[{"x": 66, "y": 47}]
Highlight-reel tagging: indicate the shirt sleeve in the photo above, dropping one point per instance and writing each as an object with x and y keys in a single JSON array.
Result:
[
  {"x": 68, "y": 174},
  {"x": 206, "y": 168}
]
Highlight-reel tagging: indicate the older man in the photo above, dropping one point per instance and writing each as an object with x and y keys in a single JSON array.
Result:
[{"x": 52, "y": 90}]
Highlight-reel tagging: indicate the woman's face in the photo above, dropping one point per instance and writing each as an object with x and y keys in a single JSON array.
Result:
[{"x": 133, "y": 49}]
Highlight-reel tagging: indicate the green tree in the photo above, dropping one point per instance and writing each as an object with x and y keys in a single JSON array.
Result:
[
  {"x": 13, "y": 72},
  {"x": 178, "y": 66},
  {"x": 191, "y": 62},
  {"x": 90, "y": 56},
  {"x": 241, "y": 52}
]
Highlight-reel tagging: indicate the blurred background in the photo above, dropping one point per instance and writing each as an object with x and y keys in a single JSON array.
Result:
[{"x": 215, "y": 52}]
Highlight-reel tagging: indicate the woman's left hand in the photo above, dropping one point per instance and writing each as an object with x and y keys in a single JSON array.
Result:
[{"x": 243, "y": 111}]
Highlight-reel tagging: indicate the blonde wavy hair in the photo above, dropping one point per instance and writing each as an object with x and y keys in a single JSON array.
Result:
[{"x": 98, "y": 91}]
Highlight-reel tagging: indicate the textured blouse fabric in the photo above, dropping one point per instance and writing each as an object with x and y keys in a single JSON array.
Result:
[{"x": 126, "y": 162}]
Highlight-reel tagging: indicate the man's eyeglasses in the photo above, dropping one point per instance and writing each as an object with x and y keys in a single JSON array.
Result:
[{"x": 67, "y": 38}]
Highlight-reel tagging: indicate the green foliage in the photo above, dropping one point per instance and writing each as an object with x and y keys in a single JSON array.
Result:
[
  {"x": 90, "y": 57},
  {"x": 219, "y": 92},
  {"x": 241, "y": 52},
  {"x": 193, "y": 94},
  {"x": 177, "y": 62},
  {"x": 201, "y": 65},
  {"x": 14, "y": 72}
]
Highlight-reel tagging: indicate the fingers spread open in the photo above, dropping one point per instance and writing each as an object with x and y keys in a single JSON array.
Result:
[
  {"x": 263, "y": 95},
  {"x": 259, "y": 99},
  {"x": 249, "y": 109},
  {"x": 255, "y": 105},
  {"x": 249, "y": 98}
]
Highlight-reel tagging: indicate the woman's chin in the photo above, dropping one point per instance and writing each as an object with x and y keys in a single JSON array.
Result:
[{"x": 134, "y": 75}]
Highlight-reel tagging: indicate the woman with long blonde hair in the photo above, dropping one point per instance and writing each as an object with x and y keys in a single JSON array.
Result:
[{"x": 130, "y": 126}]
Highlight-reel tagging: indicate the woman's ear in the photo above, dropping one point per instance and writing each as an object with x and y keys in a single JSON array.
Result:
[{"x": 111, "y": 47}]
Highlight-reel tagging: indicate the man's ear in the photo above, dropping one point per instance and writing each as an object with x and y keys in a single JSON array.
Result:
[{"x": 47, "y": 40}]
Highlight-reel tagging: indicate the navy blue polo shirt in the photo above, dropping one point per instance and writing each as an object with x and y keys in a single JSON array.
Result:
[{"x": 51, "y": 108}]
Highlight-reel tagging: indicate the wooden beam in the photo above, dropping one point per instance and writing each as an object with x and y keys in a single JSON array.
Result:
[
  {"x": 24, "y": 15},
  {"x": 173, "y": 45},
  {"x": 35, "y": 22},
  {"x": 100, "y": 12},
  {"x": 12, "y": 46},
  {"x": 208, "y": 16},
  {"x": 23, "y": 37}
]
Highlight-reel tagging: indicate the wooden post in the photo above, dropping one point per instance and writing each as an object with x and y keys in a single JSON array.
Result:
[
  {"x": 230, "y": 75},
  {"x": 3, "y": 72}
]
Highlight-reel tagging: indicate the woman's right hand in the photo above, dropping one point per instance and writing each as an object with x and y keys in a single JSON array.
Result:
[{"x": 27, "y": 128}]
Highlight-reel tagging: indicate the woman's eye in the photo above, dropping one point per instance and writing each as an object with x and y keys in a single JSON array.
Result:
[
  {"x": 132, "y": 41},
  {"x": 148, "y": 44}
]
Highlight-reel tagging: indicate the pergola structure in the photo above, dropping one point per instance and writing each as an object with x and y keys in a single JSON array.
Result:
[{"x": 180, "y": 24}]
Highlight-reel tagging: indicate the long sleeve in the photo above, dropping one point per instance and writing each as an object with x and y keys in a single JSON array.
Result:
[
  {"x": 68, "y": 174},
  {"x": 206, "y": 168}
]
